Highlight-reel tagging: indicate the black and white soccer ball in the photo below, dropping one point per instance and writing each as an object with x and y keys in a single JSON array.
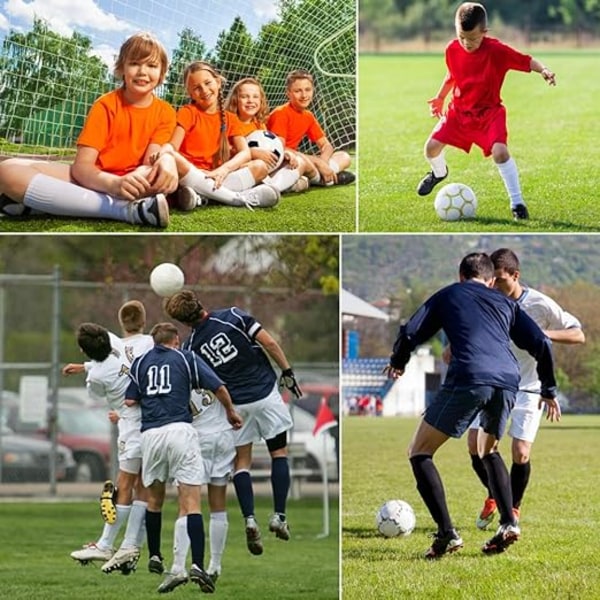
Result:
[
  {"x": 455, "y": 201},
  {"x": 395, "y": 518},
  {"x": 267, "y": 140}
]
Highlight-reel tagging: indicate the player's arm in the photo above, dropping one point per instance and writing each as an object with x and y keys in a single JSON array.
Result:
[
  {"x": 436, "y": 104},
  {"x": 544, "y": 71},
  {"x": 222, "y": 394},
  {"x": 238, "y": 160},
  {"x": 163, "y": 169},
  {"x": 573, "y": 335},
  {"x": 274, "y": 350}
]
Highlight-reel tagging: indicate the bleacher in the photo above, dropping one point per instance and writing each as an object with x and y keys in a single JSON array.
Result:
[{"x": 364, "y": 376}]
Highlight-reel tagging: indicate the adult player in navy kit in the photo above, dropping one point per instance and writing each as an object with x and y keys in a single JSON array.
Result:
[
  {"x": 161, "y": 382},
  {"x": 234, "y": 343},
  {"x": 483, "y": 375}
]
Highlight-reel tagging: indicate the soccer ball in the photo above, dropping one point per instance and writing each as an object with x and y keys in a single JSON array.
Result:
[
  {"x": 166, "y": 279},
  {"x": 395, "y": 518},
  {"x": 266, "y": 140},
  {"x": 455, "y": 201}
]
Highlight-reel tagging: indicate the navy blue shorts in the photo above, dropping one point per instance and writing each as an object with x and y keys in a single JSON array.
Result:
[{"x": 453, "y": 409}]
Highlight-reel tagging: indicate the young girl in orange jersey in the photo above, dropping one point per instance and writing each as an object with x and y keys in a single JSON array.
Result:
[
  {"x": 111, "y": 176},
  {"x": 247, "y": 99},
  {"x": 201, "y": 147},
  {"x": 293, "y": 121}
]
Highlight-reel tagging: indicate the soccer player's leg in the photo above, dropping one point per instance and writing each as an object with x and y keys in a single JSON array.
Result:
[{"x": 434, "y": 154}]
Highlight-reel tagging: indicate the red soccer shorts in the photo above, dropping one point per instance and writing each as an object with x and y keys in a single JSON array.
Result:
[{"x": 462, "y": 130}]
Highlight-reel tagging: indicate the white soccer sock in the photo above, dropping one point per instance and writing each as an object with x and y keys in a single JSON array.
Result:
[
  {"x": 181, "y": 544},
  {"x": 205, "y": 186},
  {"x": 283, "y": 179},
  {"x": 334, "y": 166},
  {"x": 510, "y": 176},
  {"x": 110, "y": 532},
  {"x": 55, "y": 197},
  {"x": 136, "y": 525},
  {"x": 438, "y": 164},
  {"x": 217, "y": 537},
  {"x": 240, "y": 180}
]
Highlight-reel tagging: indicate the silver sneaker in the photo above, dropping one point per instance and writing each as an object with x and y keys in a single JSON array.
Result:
[
  {"x": 152, "y": 211},
  {"x": 280, "y": 528},
  {"x": 171, "y": 581},
  {"x": 91, "y": 552},
  {"x": 123, "y": 557},
  {"x": 202, "y": 579},
  {"x": 260, "y": 196},
  {"x": 155, "y": 565},
  {"x": 301, "y": 185},
  {"x": 253, "y": 539}
]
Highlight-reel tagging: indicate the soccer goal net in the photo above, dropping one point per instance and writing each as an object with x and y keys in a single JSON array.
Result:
[{"x": 56, "y": 62}]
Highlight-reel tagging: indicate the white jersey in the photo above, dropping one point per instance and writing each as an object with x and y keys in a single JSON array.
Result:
[
  {"x": 136, "y": 345},
  {"x": 549, "y": 316},
  {"x": 209, "y": 414}
]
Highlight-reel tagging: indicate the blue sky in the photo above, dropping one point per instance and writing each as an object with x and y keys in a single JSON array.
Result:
[{"x": 109, "y": 22}]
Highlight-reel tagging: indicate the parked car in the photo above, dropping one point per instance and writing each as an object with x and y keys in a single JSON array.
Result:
[{"x": 27, "y": 459}]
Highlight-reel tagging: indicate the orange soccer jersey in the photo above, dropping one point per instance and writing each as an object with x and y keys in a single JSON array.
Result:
[
  {"x": 203, "y": 132},
  {"x": 253, "y": 125},
  {"x": 292, "y": 125},
  {"x": 122, "y": 133}
]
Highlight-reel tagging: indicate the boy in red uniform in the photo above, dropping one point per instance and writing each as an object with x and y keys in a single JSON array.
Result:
[
  {"x": 477, "y": 65},
  {"x": 293, "y": 121}
]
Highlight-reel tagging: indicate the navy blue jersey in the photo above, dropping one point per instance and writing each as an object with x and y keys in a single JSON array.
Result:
[
  {"x": 161, "y": 381},
  {"x": 479, "y": 323},
  {"x": 225, "y": 339}
]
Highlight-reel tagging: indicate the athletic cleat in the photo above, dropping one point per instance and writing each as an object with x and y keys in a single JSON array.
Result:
[
  {"x": 280, "y": 528},
  {"x": 345, "y": 178},
  {"x": 301, "y": 185},
  {"x": 520, "y": 212},
  {"x": 91, "y": 552},
  {"x": 202, "y": 578},
  {"x": 186, "y": 198},
  {"x": 487, "y": 514},
  {"x": 444, "y": 544},
  {"x": 152, "y": 211},
  {"x": 108, "y": 510},
  {"x": 123, "y": 557},
  {"x": 428, "y": 182},
  {"x": 11, "y": 208},
  {"x": 214, "y": 576},
  {"x": 253, "y": 539},
  {"x": 155, "y": 565},
  {"x": 171, "y": 581},
  {"x": 505, "y": 536},
  {"x": 260, "y": 196}
]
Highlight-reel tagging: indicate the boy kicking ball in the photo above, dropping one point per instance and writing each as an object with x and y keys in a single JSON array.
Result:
[{"x": 477, "y": 65}]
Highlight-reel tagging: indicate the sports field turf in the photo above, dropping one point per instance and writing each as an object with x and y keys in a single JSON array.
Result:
[
  {"x": 553, "y": 133},
  {"x": 557, "y": 556},
  {"x": 35, "y": 561}
]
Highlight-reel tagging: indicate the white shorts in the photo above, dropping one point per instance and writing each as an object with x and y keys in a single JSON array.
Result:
[
  {"x": 129, "y": 445},
  {"x": 264, "y": 418},
  {"x": 218, "y": 453},
  {"x": 525, "y": 417},
  {"x": 172, "y": 451}
]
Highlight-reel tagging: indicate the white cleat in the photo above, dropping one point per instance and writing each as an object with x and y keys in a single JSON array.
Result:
[
  {"x": 91, "y": 552},
  {"x": 171, "y": 581},
  {"x": 280, "y": 528},
  {"x": 123, "y": 557}
]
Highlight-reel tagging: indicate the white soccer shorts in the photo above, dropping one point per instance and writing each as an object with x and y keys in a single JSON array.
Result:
[
  {"x": 218, "y": 454},
  {"x": 129, "y": 444}
]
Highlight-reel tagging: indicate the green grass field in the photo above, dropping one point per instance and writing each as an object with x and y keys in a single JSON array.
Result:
[
  {"x": 331, "y": 210},
  {"x": 38, "y": 538},
  {"x": 553, "y": 134},
  {"x": 557, "y": 556}
]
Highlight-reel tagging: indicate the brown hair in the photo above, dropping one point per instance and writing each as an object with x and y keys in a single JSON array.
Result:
[
  {"x": 469, "y": 15},
  {"x": 132, "y": 316},
  {"x": 94, "y": 340},
  {"x": 164, "y": 333},
  {"x": 142, "y": 46},
  {"x": 184, "y": 307},
  {"x": 297, "y": 74},
  {"x": 231, "y": 103},
  {"x": 505, "y": 258},
  {"x": 223, "y": 153}
]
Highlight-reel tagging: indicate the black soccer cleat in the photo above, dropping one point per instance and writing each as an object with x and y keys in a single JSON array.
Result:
[
  {"x": 505, "y": 536},
  {"x": 428, "y": 182},
  {"x": 345, "y": 178},
  {"x": 444, "y": 544},
  {"x": 520, "y": 212}
]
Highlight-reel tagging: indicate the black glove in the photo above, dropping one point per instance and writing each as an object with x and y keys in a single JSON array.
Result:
[{"x": 288, "y": 380}]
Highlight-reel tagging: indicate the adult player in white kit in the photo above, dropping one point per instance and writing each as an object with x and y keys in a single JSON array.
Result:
[{"x": 561, "y": 327}]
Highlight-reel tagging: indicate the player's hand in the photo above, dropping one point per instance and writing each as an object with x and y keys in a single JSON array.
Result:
[
  {"x": 234, "y": 418},
  {"x": 73, "y": 369},
  {"x": 447, "y": 354},
  {"x": 288, "y": 381},
  {"x": 218, "y": 175},
  {"x": 549, "y": 76},
  {"x": 113, "y": 416},
  {"x": 391, "y": 372},
  {"x": 163, "y": 175},
  {"x": 552, "y": 408},
  {"x": 436, "y": 107},
  {"x": 292, "y": 159},
  {"x": 131, "y": 186}
]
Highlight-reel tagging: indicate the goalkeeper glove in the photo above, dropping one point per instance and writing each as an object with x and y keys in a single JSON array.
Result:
[{"x": 288, "y": 380}]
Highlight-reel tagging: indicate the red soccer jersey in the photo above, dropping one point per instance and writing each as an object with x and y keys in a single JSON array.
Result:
[
  {"x": 292, "y": 125},
  {"x": 478, "y": 76}
]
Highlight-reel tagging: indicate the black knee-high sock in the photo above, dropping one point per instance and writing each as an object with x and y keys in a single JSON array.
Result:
[
  {"x": 280, "y": 483},
  {"x": 519, "y": 478},
  {"x": 499, "y": 485},
  {"x": 429, "y": 485},
  {"x": 242, "y": 482},
  {"x": 153, "y": 527},
  {"x": 480, "y": 471},
  {"x": 195, "y": 531}
]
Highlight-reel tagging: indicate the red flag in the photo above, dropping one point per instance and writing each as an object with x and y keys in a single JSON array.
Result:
[{"x": 325, "y": 418}]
